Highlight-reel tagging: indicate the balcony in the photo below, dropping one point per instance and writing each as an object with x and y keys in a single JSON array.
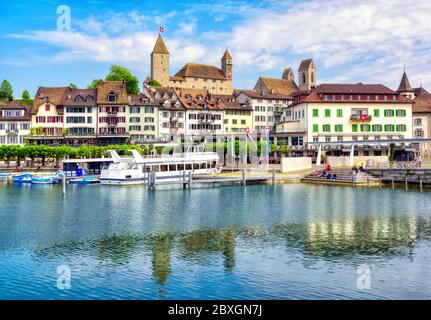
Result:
[{"x": 361, "y": 117}]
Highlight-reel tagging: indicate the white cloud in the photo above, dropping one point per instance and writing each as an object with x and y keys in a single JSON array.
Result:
[{"x": 350, "y": 40}]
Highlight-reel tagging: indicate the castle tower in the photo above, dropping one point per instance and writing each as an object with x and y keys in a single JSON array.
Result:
[
  {"x": 307, "y": 75},
  {"x": 405, "y": 89},
  {"x": 288, "y": 74},
  {"x": 226, "y": 65},
  {"x": 160, "y": 63}
]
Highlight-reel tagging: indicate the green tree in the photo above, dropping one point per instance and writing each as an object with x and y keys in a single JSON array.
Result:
[
  {"x": 117, "y": 73},
  {"x": 93, "y": 84},
  {"x": 6, "y": 91},
  {"x": 73, "y": 86},
  {"x": 155, "y": 83},
  {"x": 25, "y": 95}
]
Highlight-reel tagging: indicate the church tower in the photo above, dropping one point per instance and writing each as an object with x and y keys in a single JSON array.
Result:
[
  {"x": 160, "y": 63},
  {"x": 226, "y": 65},
  {"x": 307, "y": 75},
  {"x": 405, "y": 89},
  {"x": 288, "y": 74}
]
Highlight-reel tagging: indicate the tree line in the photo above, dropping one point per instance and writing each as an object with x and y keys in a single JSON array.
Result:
[{"x": 18, "y": 153}]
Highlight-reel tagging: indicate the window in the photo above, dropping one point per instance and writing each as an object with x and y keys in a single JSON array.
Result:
[
  {"x": 328, "y": 139},
  {"x": 112, "y": 97},
  {"x": 418, "y": 122},
  {"x": 376, "y": 113},
  {"x": 389, "y": 113},
  {"x": 315, "y": 128},
  {"x": 327, "y": 112},
  {"x": 315, "y": 112},
  {"x": 47, "y": 107},
  {"x": 326, "y": 128},
  {"x": 365, "y": 127},
  {"x": 339, "y": 112},
  {"x": 377, "y": 127},
  {"x": 389, "y": 127},
  {"x": 242, "y": 121},
  {"x": 401, "y": 127},
  {"x": 401, "y": 113},
  {"x": 338, "y": 128},
  {"x": 354, "y": 128},
  {"x": 419, "y": 133}
]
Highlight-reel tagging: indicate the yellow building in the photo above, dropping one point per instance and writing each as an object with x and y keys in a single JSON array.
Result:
[
  {"x": 237, "y": 116},
  {"x": 192, "y": 75}
]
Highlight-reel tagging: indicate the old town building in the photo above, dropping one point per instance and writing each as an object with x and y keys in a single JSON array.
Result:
[
  {"x": 15, "y": 123},
  {"x": 192, "y": 75}
]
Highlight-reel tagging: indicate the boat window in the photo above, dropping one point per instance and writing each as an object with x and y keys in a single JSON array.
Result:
[
  {"x": 180, "y": 167},
  {"x": 172, "y": 167},
  {"x": 155, "y": 168},
  {"x": 188, "y": 166},
  {"x": 146, "y": 169},
  {"x": 195, "y": 166},
  {"x": 203, "y": 165},
  {"x": 163, "y": 167},
  {"x": 213, "y": 164}
]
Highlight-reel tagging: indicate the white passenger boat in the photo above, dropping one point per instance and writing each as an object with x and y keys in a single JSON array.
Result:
[{"x": 135, "y": 170}]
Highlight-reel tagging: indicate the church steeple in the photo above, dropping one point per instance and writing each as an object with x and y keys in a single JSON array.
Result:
[{"x": 226, "y": 65}]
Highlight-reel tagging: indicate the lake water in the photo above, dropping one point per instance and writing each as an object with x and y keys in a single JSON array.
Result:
[{"x": 256, "y": 242}]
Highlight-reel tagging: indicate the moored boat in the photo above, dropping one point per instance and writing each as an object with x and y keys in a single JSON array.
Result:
[
  {"x": 42, "y": 180},
  {"x": 135, "y": 170},
  {"x": 24, "y": 178},
  {"x": 86, "y": 180}
]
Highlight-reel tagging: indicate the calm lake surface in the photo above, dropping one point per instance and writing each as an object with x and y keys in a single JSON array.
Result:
[{"x": 256, "y": 242}]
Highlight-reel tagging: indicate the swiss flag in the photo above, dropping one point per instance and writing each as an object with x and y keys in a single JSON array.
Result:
[
  {"x": 162, "y": 29},
  {"x": 363, "y": 117},
  {"x": 247, "y": 131}
]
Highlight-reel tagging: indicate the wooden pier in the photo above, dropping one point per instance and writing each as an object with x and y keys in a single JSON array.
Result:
[{"x": 188, "y": 180}]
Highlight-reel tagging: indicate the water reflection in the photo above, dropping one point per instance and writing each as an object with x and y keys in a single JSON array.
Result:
[
  {"x": 386, "y": 237},
  {"x": 121, "y": 240}
]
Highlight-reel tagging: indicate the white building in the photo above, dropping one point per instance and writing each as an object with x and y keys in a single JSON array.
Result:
[
  {"x": 15, "y": 123},
  {"x": 348, "y": 112},
  {"x": 268, "y": 108}
]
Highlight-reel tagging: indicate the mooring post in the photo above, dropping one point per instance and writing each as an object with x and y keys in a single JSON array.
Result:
[
  {"x": 380, "y": 182},
  {"x": 407, "y": 188},
  {"x": 184, "y": 180},
  {"x": 244, "y": 179},
  {"x": 273, "y": 175},
  {"x": 393, "y": 183},
  {"x": 190, "y": 179},
  {"x": 353, "y": 180},
  {"x": 368, "y": 182},
  {"x": 64, "y": 183},
  {"x": 420, "y": 183}
]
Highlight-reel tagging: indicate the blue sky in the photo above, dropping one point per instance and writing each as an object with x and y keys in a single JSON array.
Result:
[{"x": 350, "y": 40}]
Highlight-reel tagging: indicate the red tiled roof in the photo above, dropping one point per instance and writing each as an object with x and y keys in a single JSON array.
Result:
[{"x": 15, "y": 105}]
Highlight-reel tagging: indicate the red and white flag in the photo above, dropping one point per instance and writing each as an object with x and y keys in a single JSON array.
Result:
[{"x": 162, "y": 29}]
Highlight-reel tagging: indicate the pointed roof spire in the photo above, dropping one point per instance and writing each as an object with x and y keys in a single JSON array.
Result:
[
  {"x": 227, "y": 55},
  {"x": 160, "y": 46},
  {"x": 405, "y": 84}
]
